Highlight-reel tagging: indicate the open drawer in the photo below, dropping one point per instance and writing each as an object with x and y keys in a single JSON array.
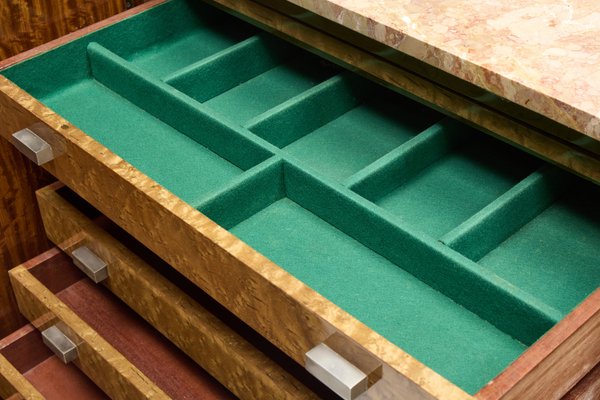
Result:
[
  {"x": 331, "y": 215},
  {"x": 29, "y": 370}
]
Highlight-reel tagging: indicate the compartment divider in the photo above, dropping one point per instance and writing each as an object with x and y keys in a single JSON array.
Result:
[
  {"x": 308, "y": 111},
  {"x": 178, "y": 110},
  {"x": 407, "y": 160},
  {"x": 499, "y": 220},
  {"x": 514, "y": 311},
  {"x": 249, "y": 193},
  {"x": 226, "y": 69}
]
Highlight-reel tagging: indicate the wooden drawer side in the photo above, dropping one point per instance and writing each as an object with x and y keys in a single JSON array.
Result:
[{"x": 97, "y": 358}]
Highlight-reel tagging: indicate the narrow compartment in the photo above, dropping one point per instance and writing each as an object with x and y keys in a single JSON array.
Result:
[
  {"x": 157, "y": 358},
  {"x": 25, "y": 350},
  {"x": 436, "y": 197},
  {"x": 283, "y": 226},
  {"x": 343, "y": 146},
  {"x": 255, "y": 96},
  {"x": 191, "y": 33},
  {"x": 557, "y": 254}
]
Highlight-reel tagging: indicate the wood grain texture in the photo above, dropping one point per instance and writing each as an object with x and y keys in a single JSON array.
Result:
[
  {"x": 588, "y": 388},
  {"x": 213, "y": 345},
  {"x": 96, "y": 357},
  {"x": 544, "y": 145},
  {"x": 25, "y": 24},
  {"x": 13, "y": 382},
  {"x": 22, "y": 235},
  {"x": 248, "y": 284},
  {"x": 556, "y": 362}
]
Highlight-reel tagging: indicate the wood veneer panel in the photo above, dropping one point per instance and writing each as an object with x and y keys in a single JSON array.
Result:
[
  {"x": 588, "y": 388},
  {"x": 25, "y": 24},
  {"x": 222, "y": 352},
  {"x": 13, "y": 383}
]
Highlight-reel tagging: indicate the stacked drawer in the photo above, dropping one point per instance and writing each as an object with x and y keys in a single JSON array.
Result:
[{"x": 339, "y": 220}]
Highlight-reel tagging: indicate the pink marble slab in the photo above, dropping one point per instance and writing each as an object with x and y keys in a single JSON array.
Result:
[{"x": 541, "y": 54}]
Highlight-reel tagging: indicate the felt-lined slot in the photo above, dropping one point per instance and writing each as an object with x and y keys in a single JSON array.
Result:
[
  {"x": 556, "y": 254},
  {"x": 345, "y": 142},
  {"x": 295, "y": 221},
  {"x": 507, "y": 214},
  {"x": 188, "y": 38},
  {"x": 242, "y": 103},
  {"x": 229, "y": 68},
  {"x": 53, "y": 379},
  {"x": 434, "y": 197},
  {"x": 157, "y": 358}
]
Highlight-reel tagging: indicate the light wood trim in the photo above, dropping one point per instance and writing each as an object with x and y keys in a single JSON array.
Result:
[
  {"x": 556, "y": 362},
  {"x": 96, "y": 358},
  {"x": 224, "y": 354},
  {"x": 13, "y": 382},
  {"x": 252, "y": 287},
  {"x": 551, "y": 148}
]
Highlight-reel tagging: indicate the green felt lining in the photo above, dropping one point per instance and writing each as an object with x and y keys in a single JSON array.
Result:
[{"x": 452, "y": 245}]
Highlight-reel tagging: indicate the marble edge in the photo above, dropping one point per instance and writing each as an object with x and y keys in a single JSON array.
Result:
[{"x": 581, "y": 120}]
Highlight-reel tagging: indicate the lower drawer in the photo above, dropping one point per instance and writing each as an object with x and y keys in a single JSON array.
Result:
[
  {"x": 135, "y": 276},
  {"x": 116, "y": 349},
  {"x": 28, "y": 370}
]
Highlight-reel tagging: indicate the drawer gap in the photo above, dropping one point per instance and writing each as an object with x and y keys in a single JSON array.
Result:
[
  {"x": 25, "y": 350},
  {"x": 231, "y": 67}
]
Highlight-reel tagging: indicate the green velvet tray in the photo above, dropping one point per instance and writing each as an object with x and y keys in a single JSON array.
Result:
[{"x": 454, "y": 246}]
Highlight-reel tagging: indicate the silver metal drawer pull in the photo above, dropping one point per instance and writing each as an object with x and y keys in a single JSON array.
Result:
[
  {"x": 336, "y": 372},
  {"x": 60, "y": 344},
  {"x": 92, "y": 265},
  {"x": 32, "y": 146}
]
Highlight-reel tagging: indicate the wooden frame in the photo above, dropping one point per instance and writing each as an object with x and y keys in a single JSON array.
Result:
[{"x": 263, "y": 289}]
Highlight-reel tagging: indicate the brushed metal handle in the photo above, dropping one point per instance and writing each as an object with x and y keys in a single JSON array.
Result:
[
  {"x": 32, "y": 146},
  {"x": 60, "y": 344},
  {"x": 337, "y": 373},
  {"x": 91, "y": 265}
]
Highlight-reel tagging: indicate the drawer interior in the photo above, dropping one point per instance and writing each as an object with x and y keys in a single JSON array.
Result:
[
  {"x": 451, "y": 244},
  {"x": 25, "y": 350},
  {"x": 157, "y": 358}
]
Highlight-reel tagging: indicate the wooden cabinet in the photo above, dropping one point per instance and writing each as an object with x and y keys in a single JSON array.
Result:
[{"x": 339, "y": 219}]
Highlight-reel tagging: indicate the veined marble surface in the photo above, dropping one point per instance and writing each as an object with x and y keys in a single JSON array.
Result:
[{"x": 541, "y": 54}]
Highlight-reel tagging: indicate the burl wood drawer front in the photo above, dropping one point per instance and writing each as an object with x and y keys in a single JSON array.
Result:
[
  {"x": 210, "y": 342},
  {"x": 29, "y": 370},
  {"x": 125, "y": 356},
  {"x": 322, "y": 209}
]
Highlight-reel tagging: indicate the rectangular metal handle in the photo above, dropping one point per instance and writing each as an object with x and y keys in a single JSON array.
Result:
[
  {"x": 337, "y": 373},
  {"x": 91, "y": 265},
  {"x": 32, "y": 146},
  {"x": 60, "y": 344}
]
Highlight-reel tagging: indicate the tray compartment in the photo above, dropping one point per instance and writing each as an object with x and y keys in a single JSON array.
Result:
[
  {"x": 435, "y": 196},
  {"x": 306, "y": 237}
]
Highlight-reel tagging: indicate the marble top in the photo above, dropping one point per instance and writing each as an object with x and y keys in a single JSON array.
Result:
[{"x": 541, "y": 54}]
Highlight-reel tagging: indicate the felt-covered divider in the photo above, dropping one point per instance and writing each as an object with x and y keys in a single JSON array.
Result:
[
  {"x": 176, "y": 109},
  {"x": 228, "y": 68},
  {"x": 400, "y": 165},
  {"x": 368, "y": 266},
  {"x": 556, "y": 254},
  {"x": 209, "y": 31},
  {"x": 291, "y": 120},
  {"x": 449, "y": 190},
  {"x": 508, "y": 213},
  {"x": 253, "y": 97}
]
